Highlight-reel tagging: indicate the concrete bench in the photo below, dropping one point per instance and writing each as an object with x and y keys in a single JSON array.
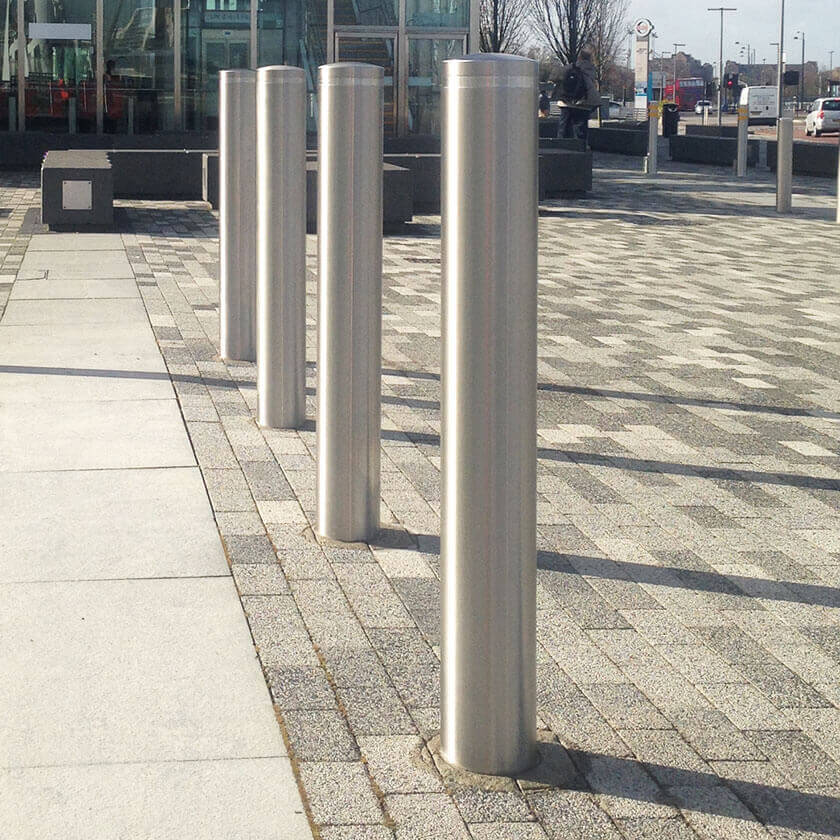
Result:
[
  {"x": 166, "y": 174},
  {"x": 817, "y": 159},
  {"x": 619, "y": 141},
  {"x": 77, "y": 189},
  {"x": 566, "y": 170},
  {"x": 397, "y": 197},
  {"x": 717, "y": 151}
]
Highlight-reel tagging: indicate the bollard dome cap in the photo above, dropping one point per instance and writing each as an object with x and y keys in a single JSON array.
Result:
[
  {"x": 281, "y": 73},
  {"x": 350, "y": 71},
  {"x": 491, "y": 66},
  {"x": 238, "y": 76}
]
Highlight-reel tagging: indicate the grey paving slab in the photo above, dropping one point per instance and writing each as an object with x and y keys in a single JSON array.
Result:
[
  {"x": 238, "y": 799},
  {"x": 87, "y": 287},
  {"x": 129, "y": 346},
  {"x": 67, "y": 264},
  {"x": 63, "y": 242},
  {"x": 67, "y": 311},
  {"x": 130, "y": 670},
  {"x": 97, "y": 524},
  {"x": 113, "y": 434}
]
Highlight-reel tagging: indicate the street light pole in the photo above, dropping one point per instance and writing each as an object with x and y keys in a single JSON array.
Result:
[
  {"x": 800, "y": 36},
  {"x": 781, "y": 70},
  {"x": 721, "y": 9},
  {"x": 675, "y": 71}
]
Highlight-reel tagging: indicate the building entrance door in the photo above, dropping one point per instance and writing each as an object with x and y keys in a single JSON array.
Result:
[
  {"x": 380, "y": 50},
  {"x": 221, "y": 49}
]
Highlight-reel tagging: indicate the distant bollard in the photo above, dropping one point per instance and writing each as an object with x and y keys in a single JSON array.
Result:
[
  {"x": 349, "y": 299},
  {"x": 654, "y": 111},
  {"x": 743, "y": 139},
  {"x": 281, "y": 247},
  {"x": 488, "y": 420},
  {"x": 238, "y": 214},
  {"x": 784, "y": 165},
  {"x": 71, "y": 115},
  {"x": 705, "y": 115}
]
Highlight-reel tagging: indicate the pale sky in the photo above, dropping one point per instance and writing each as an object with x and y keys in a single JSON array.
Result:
[{"x": 756, "y": 22}]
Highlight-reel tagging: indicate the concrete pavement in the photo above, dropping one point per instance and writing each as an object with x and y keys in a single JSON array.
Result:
[{"x": 132, "y": 703}]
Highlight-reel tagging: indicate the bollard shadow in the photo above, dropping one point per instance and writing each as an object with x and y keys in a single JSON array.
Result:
[
  {"x": 695, "y": 580},
  {"x": 690, "y": 790}
]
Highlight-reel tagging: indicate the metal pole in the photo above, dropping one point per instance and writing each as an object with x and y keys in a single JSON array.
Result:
[
  {"x": 720, "y": 75},
  {"x": 489, "y": 386},
  {"x": 99, "y": 41},
  {"x": 281, "y": 247},
  {"x": 652, "y": 168},
  {"x": 237, "y": 214},
  {"x": 743, "y": 139},
  {"x": 781, "y": 70},
  {"x": 349, "y": 299},
  {"x": 22, "y": 62},
  {"x": 784, "y": 165},
  {"x": 802, "y": 75}
]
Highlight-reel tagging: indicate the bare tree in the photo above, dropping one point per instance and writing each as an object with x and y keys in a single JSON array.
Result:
[
  {"x": 502, "y": 25},
  {"x": 608, "y": 35},
  {"x": 566, "y": 25}
]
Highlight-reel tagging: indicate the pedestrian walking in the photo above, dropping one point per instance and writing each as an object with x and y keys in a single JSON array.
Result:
[{"x": 577, "y": 94}]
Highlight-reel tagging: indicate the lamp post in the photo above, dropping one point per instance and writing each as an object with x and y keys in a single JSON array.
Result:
[
  {"x": 781, "y": 69},
  {"x": 800, "y": 36},
  {"x": 675, "y": 71},
  {"x": 721, "y": 9},
  {"x": 780, "y": 76}
]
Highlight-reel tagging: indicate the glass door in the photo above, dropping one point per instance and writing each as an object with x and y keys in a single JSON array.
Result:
[
  {"x": 378, "y": 50},
  {"x": 425, "y": 66}
]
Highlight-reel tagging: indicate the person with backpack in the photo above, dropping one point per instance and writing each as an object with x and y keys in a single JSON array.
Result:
[{"x": 576, "y": 91}]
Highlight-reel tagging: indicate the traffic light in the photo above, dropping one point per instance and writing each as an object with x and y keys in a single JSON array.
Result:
[
  {"x": 731, "y": 81},
  {"x": 791, "y": 78}
]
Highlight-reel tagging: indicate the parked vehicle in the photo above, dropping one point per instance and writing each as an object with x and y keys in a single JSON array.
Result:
[
  {"x": 704, "y": 104},
  {"x": 824, "y": 116},
  {"x": 763, "y": 103}
]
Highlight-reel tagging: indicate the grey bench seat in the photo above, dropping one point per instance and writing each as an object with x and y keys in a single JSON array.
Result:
[{"x": 77, "y": 189}]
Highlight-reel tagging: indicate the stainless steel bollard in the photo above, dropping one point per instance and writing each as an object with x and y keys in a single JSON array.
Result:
[
  {"x": 281, "y": 247},
  {"x": 705, "y": 115},
  {"x": 654, "y": 110},
  {"x": 488, "y": 432},
  {"x": 784, "y": 165},
  {"x": 238, "y": 214},
  {"x": 349, "y": 299},
  {"x": 743, "y": 140},
  {"x": 72, "y": 122}
]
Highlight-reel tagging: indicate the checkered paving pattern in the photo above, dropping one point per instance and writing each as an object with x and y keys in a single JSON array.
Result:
[{"x": 688, "y": 523}]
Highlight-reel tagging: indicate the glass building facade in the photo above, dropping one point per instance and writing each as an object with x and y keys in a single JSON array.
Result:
[{"x": 146, "y": 66}]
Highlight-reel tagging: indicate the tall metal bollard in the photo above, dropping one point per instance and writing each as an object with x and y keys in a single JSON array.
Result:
[
  {"x": 654, "y": 111},
  {"x": 238, "y": 214},
  {"x": 349, "y": 299},
  {"x": 743, "y": 139},
  {"x": 281, "y": 247},
  {"x": 784, "y": 165},
  {"x": 488, "y": 432}
]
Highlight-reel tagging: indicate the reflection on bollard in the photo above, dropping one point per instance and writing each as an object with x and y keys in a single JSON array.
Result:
[
  {"x": 238, "y": 214},
  {"x": 488, "y": 429},
  {"x": 349, "y": 299},
  {"x": 281, "y": 247}
]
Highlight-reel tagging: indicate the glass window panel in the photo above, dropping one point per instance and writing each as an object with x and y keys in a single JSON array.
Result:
[
  {"x": 366, "y": 12},
  {"x": 453, "y": 14},
  {"x": 59, "y": 68},
  {"x": 216, "y": 36},
  {"x": 138, "y": 40},
  {"x": 425, "y": 65},
  {"x": 8, "y": 68},
  {"x": 378, "y": 51}
]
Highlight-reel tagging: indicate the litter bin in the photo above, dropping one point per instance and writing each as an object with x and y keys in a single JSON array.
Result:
[{"x": 670, "y": 119}]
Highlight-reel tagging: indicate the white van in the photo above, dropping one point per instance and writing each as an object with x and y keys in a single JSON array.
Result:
[{"x": 763, "y": 102}]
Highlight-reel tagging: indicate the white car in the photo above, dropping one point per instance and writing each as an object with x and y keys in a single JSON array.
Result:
[
  {"x": 824, "y": 116},
  {"x": 704, "y": 103}
]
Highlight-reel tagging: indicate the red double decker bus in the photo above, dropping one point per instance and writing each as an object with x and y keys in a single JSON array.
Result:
[{"x": 689, "y": 92}]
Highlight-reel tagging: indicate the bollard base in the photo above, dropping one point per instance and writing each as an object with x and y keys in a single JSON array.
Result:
[{"x": 552, "y": 768}]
